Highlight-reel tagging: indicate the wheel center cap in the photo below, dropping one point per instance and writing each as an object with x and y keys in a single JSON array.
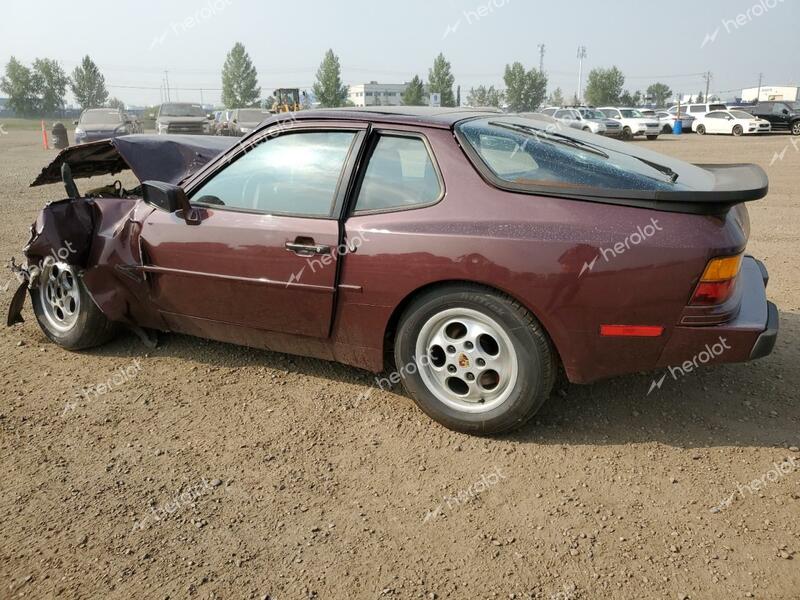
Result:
[{"x": 463, "y": 361}]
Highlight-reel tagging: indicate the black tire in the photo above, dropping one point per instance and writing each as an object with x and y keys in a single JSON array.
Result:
[
  {"x": 652, "y": 137},
  {"x": 535, "y": 359},
  {"x": 738, "y": 130},
  {"x": 667, "y": 129},
  {"x": 91, "y": 328},
  {"x": 796, "y": 128},
  {"x": 627, "y": 134},
  {"x": 700, "y": 130}
]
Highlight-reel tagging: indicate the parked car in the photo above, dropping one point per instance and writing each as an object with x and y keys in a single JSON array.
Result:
[
  {"x": 633, "y": 122},
  {"x": 573, "y": 118},
  {"x": 782, "y": 116},
  {"x": 103, "y": 123},
  {"x": 183, "y": 118},
  {"x": 613, "y": 128},
  {"x": 245, "y": 120},
  {"x": 697, "y": 110},
  {"x": 730, "y": 122},
  {"x": 481, "y": 252},
  {"x": 667, "y": 121}
]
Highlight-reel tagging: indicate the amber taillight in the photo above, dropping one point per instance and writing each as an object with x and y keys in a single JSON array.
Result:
[{"x": 718, "y": 280}]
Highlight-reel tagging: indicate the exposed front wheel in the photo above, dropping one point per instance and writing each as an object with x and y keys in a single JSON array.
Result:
[
  {"x": 474, "y": 360},
  {"x": 667, "y": 129},
  {"x": 700, "y": 130},
  {"x": 738, "y": 130},
  {"x": 796, "y": 128},
  {"x": 627, "y": 134},
  {"x": 65, "y": 311}
]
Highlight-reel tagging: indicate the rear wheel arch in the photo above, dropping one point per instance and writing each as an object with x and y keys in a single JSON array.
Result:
[{"x": 393, "y": 323}]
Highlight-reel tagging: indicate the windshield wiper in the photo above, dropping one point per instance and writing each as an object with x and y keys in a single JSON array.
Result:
[
  {"x": 661, "y": 168},
  {"x": 556, "y": 138}
]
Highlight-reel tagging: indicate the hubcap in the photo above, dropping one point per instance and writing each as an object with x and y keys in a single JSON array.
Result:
[
  {"x": 796, "y": 129},
  {"x": 59, "y": 297},
  {"x": 467, "y": 360}
]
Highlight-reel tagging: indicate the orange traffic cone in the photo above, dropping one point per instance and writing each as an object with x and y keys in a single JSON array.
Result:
[{"x": 45, "y": 142}]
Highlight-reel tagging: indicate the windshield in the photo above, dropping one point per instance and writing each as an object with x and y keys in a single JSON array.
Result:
[
  {"x": 253, "y": 116},
  {"x": 100, "y": 117},
  {"x": 528, "y": 152},
  {"x": 629, "y": 113},
  {"x": 182, "y": 110},
  {"x": 592, "y": 114}
]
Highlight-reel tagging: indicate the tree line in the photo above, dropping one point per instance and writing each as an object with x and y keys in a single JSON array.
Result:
[{"x": 41, "y": 88}]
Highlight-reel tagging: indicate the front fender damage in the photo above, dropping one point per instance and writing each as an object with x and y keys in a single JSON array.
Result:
[{"x": 102, "y": 238}]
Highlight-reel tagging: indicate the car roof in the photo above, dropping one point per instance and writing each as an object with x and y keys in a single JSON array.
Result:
[{"x": 443, "y": 118}]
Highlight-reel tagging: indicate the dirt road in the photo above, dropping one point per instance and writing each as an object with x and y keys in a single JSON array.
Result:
[{"x": 203, "y": 470}]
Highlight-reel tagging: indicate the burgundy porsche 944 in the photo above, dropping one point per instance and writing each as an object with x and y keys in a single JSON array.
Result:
[{"x": 476, "y": 254}]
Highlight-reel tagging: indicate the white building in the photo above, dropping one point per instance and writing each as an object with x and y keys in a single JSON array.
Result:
[
  {"x": 376, "y": 94},
  {"x": 789, "y": 93}
]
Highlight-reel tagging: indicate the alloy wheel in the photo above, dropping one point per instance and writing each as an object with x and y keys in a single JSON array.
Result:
[{"x": 467, "y": 360}]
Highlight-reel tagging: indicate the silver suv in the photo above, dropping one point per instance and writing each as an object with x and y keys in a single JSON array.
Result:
[{"x": 573, "y": 118}]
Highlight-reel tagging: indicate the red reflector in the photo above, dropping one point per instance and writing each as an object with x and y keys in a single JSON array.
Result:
[
  {"x": 631, "y": 330},
  {"x": 713, "y": 292}
]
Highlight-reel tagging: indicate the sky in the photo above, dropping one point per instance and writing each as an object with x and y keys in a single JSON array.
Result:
[{"x": 134, "y": 43}]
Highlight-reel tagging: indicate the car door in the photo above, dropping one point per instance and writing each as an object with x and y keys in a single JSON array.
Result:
[
  {"x": 262, "y": 253},
  {"x": 717, "y": 122}
]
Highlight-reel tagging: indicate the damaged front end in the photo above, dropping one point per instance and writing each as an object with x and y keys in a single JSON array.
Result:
[{"x": 98, "y": 233}]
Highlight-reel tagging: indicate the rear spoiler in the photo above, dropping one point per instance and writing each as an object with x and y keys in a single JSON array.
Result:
[{"x": 733, "y": 184}]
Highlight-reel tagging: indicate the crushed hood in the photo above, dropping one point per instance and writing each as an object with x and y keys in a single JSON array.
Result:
[{"x": 150, "y": 157}]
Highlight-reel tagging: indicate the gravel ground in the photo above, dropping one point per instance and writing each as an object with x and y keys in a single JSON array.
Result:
[{"x": 215, "y": 471}]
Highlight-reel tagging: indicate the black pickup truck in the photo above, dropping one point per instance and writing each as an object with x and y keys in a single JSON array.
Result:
[{"x": 782, "y": 115}]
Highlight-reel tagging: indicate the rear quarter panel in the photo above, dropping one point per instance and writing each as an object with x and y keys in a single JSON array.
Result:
[{"x": 550, "y": 254}]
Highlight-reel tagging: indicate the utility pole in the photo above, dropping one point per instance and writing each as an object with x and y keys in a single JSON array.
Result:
[
  {"x": 760, "y": 81},
  {"x": 581, "y": 57},
  {"x": 541, "y": 58},
  {"x": 707, "y": 77},
  {"x": 166, "y": 82}
]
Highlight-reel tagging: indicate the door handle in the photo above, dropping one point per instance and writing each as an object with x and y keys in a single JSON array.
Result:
[{"x": 307, "y": 249}]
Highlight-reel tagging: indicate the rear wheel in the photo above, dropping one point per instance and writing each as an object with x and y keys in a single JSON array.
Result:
[
  {"x": 700, "y": 130},
  {"x": 666, "y": 129},
  {"x": 65, "y": 311},
  {"x": 474, "y": 360},
  {"x": 738, "y": 130}
]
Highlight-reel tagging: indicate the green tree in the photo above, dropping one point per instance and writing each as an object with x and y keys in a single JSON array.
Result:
[
  {"x": 628, "y": 99},
  {"x": 49, "y": 85},
  {"x": 483, "y": 96},
  {"x": 604, "y": 86},
  {"x": 239, "y": 79},
  {"x": 525, "y": 90},
  {"x": 116, "y": 103},
  {"x": 18, "y": 84},
  {"x": 329, "y": 89},
  {"x": 556, "y": 98},
  {"x": 441, "y": 79},
  {"x": 660, "y": 93},
  {"x": 414, "y": 94},
  {"x": 88, "y": 85}
]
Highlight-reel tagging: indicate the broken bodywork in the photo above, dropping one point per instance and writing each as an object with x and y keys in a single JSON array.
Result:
[{"x": 99, "y": 231}]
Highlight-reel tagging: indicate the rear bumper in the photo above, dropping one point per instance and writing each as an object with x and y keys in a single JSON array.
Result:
[{"x": 751, "y": 334}]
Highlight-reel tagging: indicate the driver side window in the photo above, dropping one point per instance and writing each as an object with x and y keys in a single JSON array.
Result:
[{"x": 295, "y": 173}]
